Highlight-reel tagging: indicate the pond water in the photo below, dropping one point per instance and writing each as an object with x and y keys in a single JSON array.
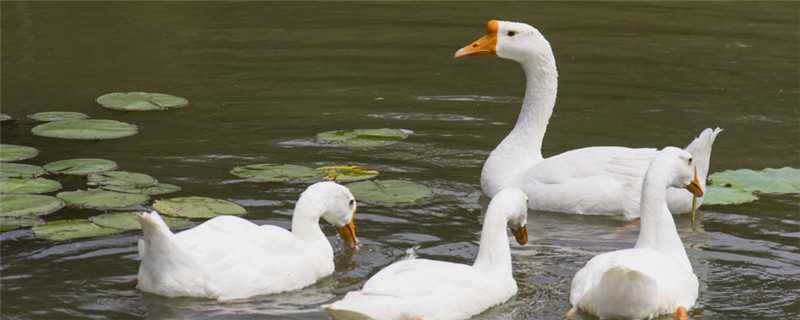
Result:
[{"x": 264, "y": 78}]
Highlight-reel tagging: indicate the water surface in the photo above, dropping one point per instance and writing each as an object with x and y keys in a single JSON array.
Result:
[{"x": 264, "y": 78}]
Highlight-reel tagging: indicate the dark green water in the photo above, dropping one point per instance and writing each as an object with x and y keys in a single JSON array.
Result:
[{"x": 264, "y": 78}]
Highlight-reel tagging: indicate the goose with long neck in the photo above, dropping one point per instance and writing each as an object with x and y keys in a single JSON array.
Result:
[
  {"x": 655, "y": 277},
  {"x": 430, "y": 289},
  {"x": 593, "y": 180},
  {"x": 229, "y": 257}
]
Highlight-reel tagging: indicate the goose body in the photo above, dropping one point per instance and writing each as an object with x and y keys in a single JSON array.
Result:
[
  {"x": 229, "y": 257},
  {"x": 655, "y": 277},
  {"x": 430, "y": 289},
  {"x": 594, "y": 180}
]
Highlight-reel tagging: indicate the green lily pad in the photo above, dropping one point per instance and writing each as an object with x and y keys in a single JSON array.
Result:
[
  {"x": 80, "y": 167},
  {"x": 716, "y": 195},
  {"x": 197, "y": 207},
  {"x": 87, "y": 129},
  {"x": 61, "y": 230},
  {"x": 130, "y": 221},
  {"x": 268, "y": 172},
  {"x": 141, "y": 101},
  {"x": 10, "y": 152},
  {"x": 20, "y": 170},
  {"x": 389, "y": 191},
  {"x": 36, "y": 185},
  {"x": 122, "y": 178},
  {"x": 161, "y": 188},
  {"x": 347, "y": 173},
  {"x": 12, "y": 223},
  {"x": 783, "y": 180},
  {"x": 5, "y": 117},
  {"x": 57, "y": 116},
  {"x": 101, "y": 199},
  {"x": 20, "y": 205},
  {"x": 363, "y": 137}
]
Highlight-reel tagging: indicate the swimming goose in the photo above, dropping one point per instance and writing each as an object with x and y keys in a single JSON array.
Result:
[
  {"x": 430, "y": 289},
  {"x": 594, "y": 180},
  {"x": 655, "y": 276},
  {"x": 229, "y": 257}
]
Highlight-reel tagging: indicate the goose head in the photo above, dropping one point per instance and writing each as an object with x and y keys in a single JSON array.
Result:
[
  {"x": 682, "y": 170},
  {"x": 510, "y": 40},
  {"x": 514, "y": 204},
  {"x": 338, "y": 207}
]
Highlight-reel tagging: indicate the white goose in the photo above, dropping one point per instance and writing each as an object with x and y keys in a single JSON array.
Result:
[
  {"x": 594, "y": 180},
  {"x": 655, "y": 276},
  {"x": 429, "y": 289},
  {"x": 231, "y": 258}
]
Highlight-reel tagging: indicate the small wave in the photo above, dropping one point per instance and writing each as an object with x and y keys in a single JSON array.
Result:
[
  {"x": 474, "y": 98},
  {"x": 423, "y": 116}
]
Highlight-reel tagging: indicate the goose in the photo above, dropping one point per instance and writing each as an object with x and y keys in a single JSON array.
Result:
[
  {"x": 655, "y": 276},
  {"x": 593, "y": 180},
  {"x": 430, "y": 289},
  {"x": 229, "y": 258}
]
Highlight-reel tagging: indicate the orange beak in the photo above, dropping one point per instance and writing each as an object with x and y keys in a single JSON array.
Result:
[
  {"x": 694, "y": 186},
  {"x": 348, "y": 234},
  {"x": 521, "y": 234},
  {"x": 485, "y": 45}
]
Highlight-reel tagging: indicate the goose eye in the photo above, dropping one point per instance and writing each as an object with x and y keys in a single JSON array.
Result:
[
  {"x": 511, "y": 33},
  {"x": 690, "y": 161},
  {"x": 352, "y": 202}
]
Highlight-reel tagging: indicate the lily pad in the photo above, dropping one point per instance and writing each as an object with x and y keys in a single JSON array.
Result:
[
  {"x": 20, "y": 205},
  {"x": 80, "y": 167},
  {"x": 87, "y": 129},
  {"x": 268, "y": 172},
  {"x": 5, "y": 117},
  {"x": 20, "y": 170},
  {"x": 101, "y": 199},
  {"x": 61, "y": 230},
  {"x": 363, "y": 137},
  {"x": 716, "y": 195},
  {"x": 783, "y": 180},
  {"x": 347, "y": 173},
  {"x": 130, "y": 221},
  {"x": 11, "y": 152},
  {"x": 122, "y": 178},
  {"x": 12, "y": 223},
  {"x": 141, "y": 101},
  {"x": 161, "y": 188},
  {"x": 57, "y": 116},
  {"x": 197, "y": 207},
  {"x": 389, "y": 191},
  {"x": 36, "y": 185}
]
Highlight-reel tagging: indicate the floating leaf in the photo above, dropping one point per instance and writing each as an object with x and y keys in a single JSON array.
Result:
[
  {"x": 12, "y": 223},
  {"x": 389, "y": 191},
  {"x": 101, "y": 199},
  {"x": 88, "y": 129},
  {"x": 363, "y": 137},
  {"x": 716, "y": 195},
  {"x": 130, "y": 221},
  {"x": 5, "y": 117},
  {"x": 141, "y": 101},
  {"x": 122, "y": 178},
  {"x": 783, "y": 180},
  {"x": 347, "y": 173},
  {"x": 197, "y": 207},
  {"x": 36, "y": 185},
  {"x": 161, "y": 188},
  {"x": 10, "y": 152},
  {"x": 20, "y": 205},
  {"x": 57, "y": 116},
  {"x": 61, "y": 230},
  {"x": 268, "y": 172},
  {"x": 20, "y": 170},
  {"x": 80, "y": 167}
]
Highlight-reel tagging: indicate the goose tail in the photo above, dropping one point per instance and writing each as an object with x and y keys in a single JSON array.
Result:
[
  {"x": 700, "y": 149},
  {"x": 622, "y": 293}
]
